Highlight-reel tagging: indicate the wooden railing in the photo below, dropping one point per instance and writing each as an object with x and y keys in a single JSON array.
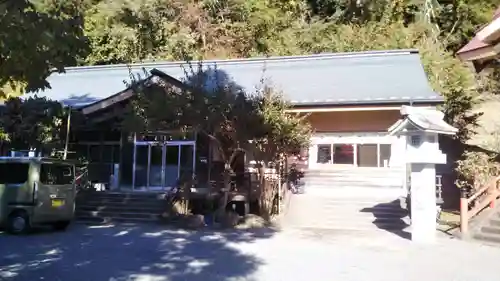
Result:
[{"x": 471, "y": 205}]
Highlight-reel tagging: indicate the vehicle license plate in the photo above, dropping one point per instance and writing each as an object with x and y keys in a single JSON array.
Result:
[{"x": 57, "y": 203}]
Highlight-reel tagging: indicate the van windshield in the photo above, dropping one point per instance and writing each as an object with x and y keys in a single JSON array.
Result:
[
  {"x": 14, "y": 173},
  {"x": 56, "y": 174}
]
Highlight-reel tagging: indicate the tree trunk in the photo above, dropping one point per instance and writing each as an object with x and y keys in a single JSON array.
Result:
[{"x": 226, "y": 188}]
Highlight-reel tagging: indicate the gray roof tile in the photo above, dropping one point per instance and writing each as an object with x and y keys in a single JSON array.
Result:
[{"x": 395, "y": 76}]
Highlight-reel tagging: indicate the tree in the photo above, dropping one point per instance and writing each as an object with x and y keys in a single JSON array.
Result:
[
  {"x": 35, "y": 123},
  {"x": 213, "y": 106},
  {"x": 36, "y": 38}
]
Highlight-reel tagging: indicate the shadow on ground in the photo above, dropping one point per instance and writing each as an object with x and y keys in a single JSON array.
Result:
[
  {"x": 141, "y": 252},
  {"x": 390, "y": 217}
]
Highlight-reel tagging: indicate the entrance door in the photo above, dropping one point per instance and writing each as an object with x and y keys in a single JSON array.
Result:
[
  {"x": 140, "y": 178},
  {"x": 171, "y": 157},
  {"x": 156, "y": 167},
  {"x": 159, "y": 165},
  {"x": 179, "y": 161}
]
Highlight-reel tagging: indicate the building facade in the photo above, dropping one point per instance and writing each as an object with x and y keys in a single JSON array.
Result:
[{"x": 350, "y": 99}]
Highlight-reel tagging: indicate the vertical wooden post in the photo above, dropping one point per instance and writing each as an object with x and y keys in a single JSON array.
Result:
[{"x": 464, "y": 209}]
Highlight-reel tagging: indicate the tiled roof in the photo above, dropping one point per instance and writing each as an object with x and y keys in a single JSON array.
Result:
[
  {"x": 476, "y": 43},
  {"x": 395, "y": 76},
  {"x": 422, "y": 119},
  {"x": 497, "y": 14}
]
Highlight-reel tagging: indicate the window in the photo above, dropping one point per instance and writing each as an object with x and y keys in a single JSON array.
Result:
[
  {"x": 14, "y": 173},
  {"x": 56, "y": 174},
  {"x": 416, "y": 140}
]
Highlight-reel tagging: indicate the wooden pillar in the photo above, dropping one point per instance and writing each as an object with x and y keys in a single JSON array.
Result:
[
  {"x": 120, "y": 161},
  {"x": 464, "y": 209}
]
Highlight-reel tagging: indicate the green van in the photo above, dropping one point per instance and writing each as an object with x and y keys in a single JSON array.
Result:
[{"x": 36, "y": 191}]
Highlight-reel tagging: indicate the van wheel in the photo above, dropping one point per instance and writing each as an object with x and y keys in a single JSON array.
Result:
[
  {"x": 18, "y": 223},
  {"x": 61, "y": 225}
]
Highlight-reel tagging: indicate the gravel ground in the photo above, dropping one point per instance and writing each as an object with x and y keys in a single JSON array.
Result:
[{"x": 154, "y": 253}]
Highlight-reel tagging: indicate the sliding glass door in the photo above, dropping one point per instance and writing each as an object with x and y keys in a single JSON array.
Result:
[{"x": 158, "y": 165}]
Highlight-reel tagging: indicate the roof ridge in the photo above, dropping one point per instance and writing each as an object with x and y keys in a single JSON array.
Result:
[{"x": 248, "y": 60}]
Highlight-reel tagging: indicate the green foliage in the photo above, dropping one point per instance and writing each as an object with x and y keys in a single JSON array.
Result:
[
  {"x": 33, "y": 123},
  {"x": 37, "y": 37},
  {"x": 44, "y": 34},
  {"x": 231, "y": 118},
  {"x": 460, "y": 19},
  {"x": 283, "y": 132},
  {"x": 477, "y": 169}
]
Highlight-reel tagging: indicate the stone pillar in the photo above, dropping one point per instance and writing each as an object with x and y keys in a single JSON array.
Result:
[
  {"x": 423, "y": 203},
  {"x": 313, "y": 155}
]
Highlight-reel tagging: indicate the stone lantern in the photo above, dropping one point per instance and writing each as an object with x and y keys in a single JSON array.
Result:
[{"x": 421, "y": 127}]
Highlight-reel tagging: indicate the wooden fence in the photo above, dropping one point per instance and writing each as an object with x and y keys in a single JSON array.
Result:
[{"x": 472, "y": 203}]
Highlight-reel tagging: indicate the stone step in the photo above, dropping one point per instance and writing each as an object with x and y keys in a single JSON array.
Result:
[
  {"x": 353, "y": 182},
  {"x": 490, "y": 238},
  {"x": 353, "y": 212},
  {"x": 118, "y": 196},
  {"x": 354, "y": 209},
  {"x": 108, "y": 220},
  {"x": 114, "y": 194},
  {"x": 349, "y": 199},
  {"x": 122, "y": 215},
  {"x": 376, "y": 224},
  {"x": 339, "y": 168},
  {"x": 119, "y": 202},
  {"x": 339, "y": 184},
  {"x": 494, "y": 221},
  {"x": 353, "y": 176},
  {"x": 350, "y": 220},
  {"x": 377, "y": 174},
  {"x": 353, "y": 173},
  {"x": 121, "y": 208},
  {"x": 489, "y": 230}
]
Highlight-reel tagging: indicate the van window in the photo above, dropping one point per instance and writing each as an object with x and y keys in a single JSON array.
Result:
[
  {"x": 14, "y": 173},
  {"x": 56, "y": 174}
]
